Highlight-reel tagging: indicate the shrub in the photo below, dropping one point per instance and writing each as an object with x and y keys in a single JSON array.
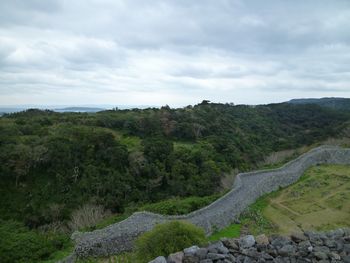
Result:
[
  {"x": 20, "y": 244},
  {"x": 168, "y": 238},
  {"x": 87, "y": 216}
]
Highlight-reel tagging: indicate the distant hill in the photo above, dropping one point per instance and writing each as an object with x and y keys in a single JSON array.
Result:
[
  {"x": 334, "y": 103},
  {"x": 69, "y": 108},
  {"x": 79, "y": 109},
  {"x": 5, "y": 110}
]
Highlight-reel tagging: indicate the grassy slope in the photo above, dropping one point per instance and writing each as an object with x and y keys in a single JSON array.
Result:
[{"x": 321, "y": 200}]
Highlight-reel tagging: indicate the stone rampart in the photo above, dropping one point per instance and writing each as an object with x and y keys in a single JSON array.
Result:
[{"x": 247, "y": 188}]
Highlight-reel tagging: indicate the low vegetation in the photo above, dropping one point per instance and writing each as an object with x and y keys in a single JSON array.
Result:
[
  {"x": 168, "y": 238},
  {"x": 178, "y": 206},
  {"x": 20, "y": 244},
  {"x": 233, "y": 230},
  {"x": 319, "y": 201}
]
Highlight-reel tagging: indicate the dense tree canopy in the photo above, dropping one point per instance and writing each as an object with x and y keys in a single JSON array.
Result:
[{"x": 51, "y": 163}]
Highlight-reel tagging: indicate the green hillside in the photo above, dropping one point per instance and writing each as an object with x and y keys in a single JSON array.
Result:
[
  {"x": 332, "y": 103},
  {"x": 57, "y": 168}
]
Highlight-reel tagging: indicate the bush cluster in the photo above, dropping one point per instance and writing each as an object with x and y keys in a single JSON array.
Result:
[
  {"x": 19, "y": 244},
  {"x": 168, "y": 238}
]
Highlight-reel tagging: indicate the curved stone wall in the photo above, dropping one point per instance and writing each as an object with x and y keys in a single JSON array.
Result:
[{"x": 247, "y": 188}]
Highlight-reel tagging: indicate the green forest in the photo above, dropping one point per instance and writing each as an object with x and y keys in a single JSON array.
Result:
[{"x": 53, "y": 163}]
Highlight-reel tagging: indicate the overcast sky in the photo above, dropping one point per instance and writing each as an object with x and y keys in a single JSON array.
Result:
[{"x": 179, "y": 52}]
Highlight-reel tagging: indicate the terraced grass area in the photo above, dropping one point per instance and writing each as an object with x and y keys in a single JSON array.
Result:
[{"x": 320, "y": 200}]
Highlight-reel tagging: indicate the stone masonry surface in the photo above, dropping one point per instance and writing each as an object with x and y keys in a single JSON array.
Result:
[
  {"x": 246, "y": 189},
  {"x": 326, "y": 247}
]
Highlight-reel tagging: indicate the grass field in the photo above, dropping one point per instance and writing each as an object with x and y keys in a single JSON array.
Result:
[{"x": 320, "y": 200}]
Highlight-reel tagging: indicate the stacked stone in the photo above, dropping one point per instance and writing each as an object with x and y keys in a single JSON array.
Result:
[{"x": 333, "y": 246}]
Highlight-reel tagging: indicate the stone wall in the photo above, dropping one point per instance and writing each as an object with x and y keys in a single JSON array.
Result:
[
  {"x": 327, "y": 247},
  {"x": 247, "y": 188}
]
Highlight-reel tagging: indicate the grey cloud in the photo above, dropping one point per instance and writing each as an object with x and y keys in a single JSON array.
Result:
[{"x": 118, "y": 46}]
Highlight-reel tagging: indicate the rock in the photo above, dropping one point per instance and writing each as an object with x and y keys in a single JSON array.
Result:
[
  {"x": 213, "y": 247},
  {"x": 265, "y": 255},
  {"x": 346, "y": 231},
  {"x": 346, "y": 248},
  {"x": 190, "y": 259},
  {"x": 248, "y": 260},
  {"x": 314, "y": 238},
  {"x": 323, "y": 249},
  {"x": 214, "y": 256},
  {"x": 231, "y": 258},
  {"x": 201, "y": 253},
  {"x": 230, "y": 243},
  {"x": 158, "y": 260},
  {"x": 339, "y": 245},
  {"x": 280, "y": 241},
  {"x": 252, "y": 252},
  {"x": 330, "y": 243},
  {"x": 335, "y": 256},
  {"x": 320, "y": 255},
  {"x": 336, "y": 233},
  {"x": 176, "y": 257},
  {"x": 191, "y": 250},
  {"x": 262, "y": 240},
  {"x": 246, "y": 241},
  {"x": 298, "y": 237},
  {"x": 304, "y": 245},
  {"x": 218, "y": 247},
  {"x": 223, "y": 250},
  {"x": 287, "y": 250},
  {"x": 335, "y": 248}
]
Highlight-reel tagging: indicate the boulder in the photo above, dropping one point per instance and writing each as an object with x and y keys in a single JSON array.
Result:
[
  {"x": 176, "y": 257},
  {"x": 160, "y": 259},
  {"x": 320, "y": 255},
  {"x": 191, "y": 250},
  {"x": 201, "y": 253},
  {"x": 262, "y": 240},
  {"x": 287, "y": 250},
  {"x": 214, "y": 256},
  {"x": 280, "y": 241},
  {"x": 230, "y": 243},
  {"x": 298, "y": 237},
  {"x": 217, "y": 247},
  {"x": 246, "y": 241}
]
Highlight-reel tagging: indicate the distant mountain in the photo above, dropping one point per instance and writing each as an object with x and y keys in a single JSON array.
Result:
[
  {"x": 79, "y": 109},
  {"x": 10, "y": 110},
  {"x": 65, "y": 109},
  {"x": 333, "y": 103},
  {"x": 69, "y": 108}
]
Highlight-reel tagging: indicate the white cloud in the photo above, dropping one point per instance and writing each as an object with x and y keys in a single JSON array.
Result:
[{"x": 172, "y": 52}]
